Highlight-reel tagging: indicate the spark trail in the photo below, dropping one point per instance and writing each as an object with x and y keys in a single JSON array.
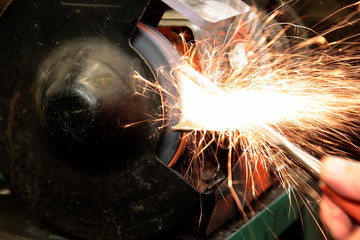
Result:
[
  {"x": 309, "y": 91},
  {"x": 305, "y": 87}
]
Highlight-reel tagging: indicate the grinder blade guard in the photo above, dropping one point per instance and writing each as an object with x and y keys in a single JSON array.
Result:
[
  {"x": 68, "y": 92},
  {"x": 80, "y": 144}
]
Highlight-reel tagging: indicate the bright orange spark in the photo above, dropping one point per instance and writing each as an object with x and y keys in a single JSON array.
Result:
[
  {"x": 238, "y": 109},
  {"x": 309, "y": 90}
]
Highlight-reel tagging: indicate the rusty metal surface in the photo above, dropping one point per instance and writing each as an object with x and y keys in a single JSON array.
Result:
[{"x": 17, "y": 223}]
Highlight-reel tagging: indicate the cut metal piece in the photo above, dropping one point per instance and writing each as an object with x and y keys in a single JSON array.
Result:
[
  {"x": 311, "y": 164},
  {"x": 210, "y": 14}
]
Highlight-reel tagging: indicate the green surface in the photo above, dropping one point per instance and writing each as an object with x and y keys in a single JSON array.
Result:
[
  {"x": 282, "y": 219},
  {"x": 2, "y": 179}
]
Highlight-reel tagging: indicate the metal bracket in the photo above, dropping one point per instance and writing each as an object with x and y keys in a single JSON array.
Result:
[{"x": 210, "y": 14}]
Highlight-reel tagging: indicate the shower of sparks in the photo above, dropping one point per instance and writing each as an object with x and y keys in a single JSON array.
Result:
[
  {"x": 304, "y": 87},
  {"x": 244, "y": 107},
  {"x": 308, "y": 89}
]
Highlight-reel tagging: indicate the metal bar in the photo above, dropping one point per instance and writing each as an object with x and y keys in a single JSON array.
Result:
[{"x": 311, "y": 164}]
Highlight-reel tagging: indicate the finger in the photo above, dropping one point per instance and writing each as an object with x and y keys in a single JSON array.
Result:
[
  {"x": 355, "y": 235},
  {"x": 342, "y": 176},
  {"x": 338, "y": 223}
]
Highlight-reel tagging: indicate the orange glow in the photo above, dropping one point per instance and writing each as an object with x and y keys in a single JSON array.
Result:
[
  {"x": 237, "y": 109},
  {"x": 309, "y": 90}
]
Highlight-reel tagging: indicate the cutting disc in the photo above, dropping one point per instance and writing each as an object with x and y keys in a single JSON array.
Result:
[{"x": 162, "y": 58}]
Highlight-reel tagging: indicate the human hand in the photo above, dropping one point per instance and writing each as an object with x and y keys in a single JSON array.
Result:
[{"x": 343, "y": 177}]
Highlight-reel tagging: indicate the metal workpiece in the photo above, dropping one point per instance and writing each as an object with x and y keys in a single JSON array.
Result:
[
  {"x": 309, "y": 163},
  {"x": 312, "y": 166}
]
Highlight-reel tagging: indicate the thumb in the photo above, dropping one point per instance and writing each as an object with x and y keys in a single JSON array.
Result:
[{"x": 342, "y": 175}]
